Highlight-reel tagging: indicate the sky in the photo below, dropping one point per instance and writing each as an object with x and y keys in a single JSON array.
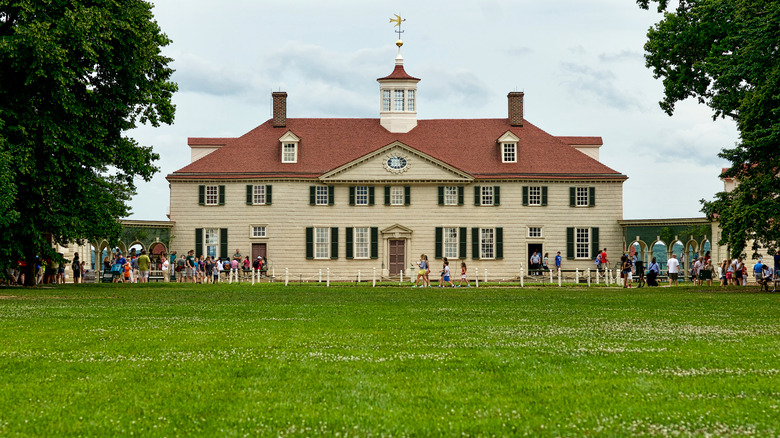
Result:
[{"x": 580, "y": 64}]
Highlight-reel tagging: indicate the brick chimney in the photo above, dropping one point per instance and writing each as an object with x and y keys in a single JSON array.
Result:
[
  {"x": 280, "y": 109},
  {"x": 515, "y": 108}
]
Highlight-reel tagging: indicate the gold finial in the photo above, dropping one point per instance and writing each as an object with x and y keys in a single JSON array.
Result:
[{"x": 398, "y": 20}]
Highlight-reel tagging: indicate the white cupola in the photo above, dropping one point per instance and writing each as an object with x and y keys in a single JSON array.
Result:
[{"x": 398, "y": 98}]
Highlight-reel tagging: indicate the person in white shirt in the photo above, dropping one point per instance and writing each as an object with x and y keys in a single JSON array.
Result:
[
  {"x": 697, "y": 267},
  {"x": 766, "y": 278},
  {"x": 673, "y": 269}
]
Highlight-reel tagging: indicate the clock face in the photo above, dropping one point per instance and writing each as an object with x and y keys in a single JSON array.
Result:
[{"x": 396, "y": 163}]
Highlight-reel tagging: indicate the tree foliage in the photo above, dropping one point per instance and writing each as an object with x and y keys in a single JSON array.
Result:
[
  {"x": 75, "y": 76},
  {"x": 726, "y": 54}
]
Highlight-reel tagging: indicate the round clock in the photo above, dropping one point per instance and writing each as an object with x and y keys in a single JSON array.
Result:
[{"x": 396, "y": 162}]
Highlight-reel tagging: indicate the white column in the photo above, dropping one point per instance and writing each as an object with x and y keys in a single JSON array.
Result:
[
  {"x": 373, "y": 279},
  {"x": 521, "y": 277},
  {"x": 253, "y": 276},
  {"x": 286, "y": 276},
  {"x": 551, "y": 276},
  {"x": 358, "y": 275},
  {"x": 485, "y": 275},
  {"x": 577, "y": 276},
  {"x": 476, "y": 277},
  {"x": 559, "y": 278},
  {"x": 589, "y": 277},
  {"x": 320, "y": 280},
  {"x": 328, "y": 283}
]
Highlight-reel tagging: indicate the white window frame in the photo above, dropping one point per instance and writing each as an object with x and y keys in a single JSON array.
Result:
[
  {"x": 450, "y": 195},
  {"x": 289, "y": 152},
  {"x": 535, "y": 195},
  {"x": 321, "y": 195},
  {"x": 212, "y": 195},
  {"x": 361, "y": 195},
  {"x": 211, "y": 242},
  {"x": 397, "y": 195},
  {"x": 258, "y": 195},
  {"x": 321, "y": 243},
  {"x": 509, "y": 152},
  {"x": 487, "y": 196},
  {"x": 258, "y": 231},
  {"x": 535, "y": 232},
  {"x": 410, "y": 100},
  {"x": 487, "y": 243},
  {"x": 450, "y": 242},
  {"x": 361, "y": 242},
  {"x": 399, "y": 100},
  {"x": 582, "y": 243},
  {"x": 386, "y": 100},
  {"x": 582, "y": 196}
]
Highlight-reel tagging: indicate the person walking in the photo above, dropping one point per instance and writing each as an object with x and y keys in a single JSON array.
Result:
[
  {"x": 422, "y": 266},
  {"x": 558, "y": 261},
  {"x": 463, "y": 275},
  {"x": 76, "y": 268},
  {"x": 144, "y": 263},
  {"x": 625, "y": 270},
  {"x": 673, "y": 270},
  {"x": 639, "y": 267}
]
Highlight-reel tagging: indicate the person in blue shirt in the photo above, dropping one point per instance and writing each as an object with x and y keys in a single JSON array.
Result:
[
  {"x": 757, "y": 270},
  {"x": 558, "y": 261}
]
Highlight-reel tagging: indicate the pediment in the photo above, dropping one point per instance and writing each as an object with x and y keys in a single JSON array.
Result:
[
  {"x": 396, "y": 230},
  {"x": 508, "y": 137},
  {"x": 396, "y": 162}
]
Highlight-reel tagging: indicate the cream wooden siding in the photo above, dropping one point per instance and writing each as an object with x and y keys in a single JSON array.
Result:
[{"x": 290, "y": 214}]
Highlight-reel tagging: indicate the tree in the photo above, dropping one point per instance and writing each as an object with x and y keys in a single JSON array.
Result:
[
  {"x": 75, "y": 75},
  {"x": 726, "y": 54}
]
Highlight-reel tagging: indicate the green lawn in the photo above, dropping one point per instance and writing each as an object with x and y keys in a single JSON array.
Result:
[{"x": 234, "y": 360}]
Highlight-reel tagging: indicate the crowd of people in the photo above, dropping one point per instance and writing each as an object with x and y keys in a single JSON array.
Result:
[{"x": 445, "y": 275}]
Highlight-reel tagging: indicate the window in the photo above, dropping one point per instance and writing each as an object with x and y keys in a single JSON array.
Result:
[
  {"x": 399, "y": 100},
  {"x": 534, "y": 196},
  {"x": 487, "y": 243},
  {"x": 582, "y": 243},
  {"x": 487, "y": 196},
  {"x": 509, "y": 154},
  {"x": 321, "y": 243},
  {"x": 258, "y": 231},
  {"x": 211, "y": 241},
  {"x": 212, "y": 195},
  {"x": 534, "y": 231},
  {"x": 582, "y": 197},
  {"x": 258, "y": 195},
  {"x": 450, "y": 196},
  {"x": 410, "y": 100},
  {"x": 361, "y": 195},
  {"x": 289, "y": 153},
  {"x": 397, "y": 196},
  {"x": 361, "y": 243},
  {"x": 385, "y": 100},
  {"x": 450, "y": 243},
  {"x": 321, "y": 195}
]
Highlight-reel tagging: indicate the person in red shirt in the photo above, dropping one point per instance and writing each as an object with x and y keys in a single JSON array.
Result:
[{"x": 604, "y": 260}]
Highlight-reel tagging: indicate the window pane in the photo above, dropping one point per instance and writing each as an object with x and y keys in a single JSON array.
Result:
[
  {"x": 509, "y": 153},
  {"x": 212, "y": 195},
  {"x": 361, "y": 243},
  {"x": 534, "y": 232},
  {"x": 487, "y": 195},
  {"x": 396, "y": 196},
  {"x": 322, "y": 195},
  {"x": 288, "y": 153},
  {"x": 385, "y": 100},
  {"x": 399, "y": 100},
  {"x": 534, "y": 196},
  {"x": 258, "y": 231},
  {"x": 486, "y": 249},
  {"x": 450, "y": 236},
  {"x": 211, "y": 239},
  {"x": 361, "y": 195},
  {"x": 450, "y": 196},
  {"x": 321, "y": 243},
  {"x": 258, "y": 195},
  {"x": 582, "y": 243},
  {"x": 582, "y": 196},
  {"x": 410, "y": 100}
]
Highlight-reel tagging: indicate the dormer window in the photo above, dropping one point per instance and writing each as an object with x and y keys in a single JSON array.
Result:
[
  {"x": 289, "y": 143},
  {"x": 508, "y": 143}
]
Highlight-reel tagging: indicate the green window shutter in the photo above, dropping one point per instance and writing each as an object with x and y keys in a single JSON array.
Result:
[
  {"x": 349, "y": 242},
  {"x": 221, "y": 195},
  {"x": 201, "y": 195},
  {"x": 387, "y": 195},
  {"x": 475, "y": 243},
  {"x": 462, "y": 247},
  {"x": 570, "y": 243},
  {"x": 330, "y": 195},
  {"x": 499, "y": 243},
  {"x": 351, "y": 195},
  {"x": 268, "y": 194},
  {"x": 477, "y": 196},
  {"x": 334, "y": 243},
  {"x": 594, "y": 237},
  {"x": 198, "y": 242},
  {"x": 223, "y": 243},
  {"x": 441, "y": 195},
  {"x": 374, "y": 242},
  {"x": 592, "y": 196},
  {"x": 309, "y": 243},
  {"x": 437, "y": 249},
  {"x": 371, "y": 195},
  {"x": 460, "y": 195},
  {"x": 544, "y": 195},
  {"x": 249, "y": 194},
  {"x": 572, "y": 197},
  {"x": 407, "y": 195},
  {"x": 497, "y": 195},
  {"x": 312, "y": 195},
  {"x": 525, "y": 195}
]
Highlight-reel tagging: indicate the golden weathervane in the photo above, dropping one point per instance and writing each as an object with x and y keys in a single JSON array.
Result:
[{"x": 398, "y": 20}]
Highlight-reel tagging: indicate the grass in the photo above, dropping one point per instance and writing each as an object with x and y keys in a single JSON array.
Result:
[{"x": 235, "y": 360}]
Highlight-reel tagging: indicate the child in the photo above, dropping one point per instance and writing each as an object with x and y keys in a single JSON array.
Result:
[
  {"x": 463, "y": 275},
  {"x": 443, "y": 267},
  {"x": 423, "y": 266},
  {"x": 128, "y": 268},
  {"x": 215, "y": 272},
  {"x": 445, "y": 274}
]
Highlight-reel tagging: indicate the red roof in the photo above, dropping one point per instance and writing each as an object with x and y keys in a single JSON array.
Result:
[
  {"x": 209, "y": 141},
  {"x": 582, "y": 141},
  {"x": 398, "y": 73},
  {"x": 466, "y": 144}
]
